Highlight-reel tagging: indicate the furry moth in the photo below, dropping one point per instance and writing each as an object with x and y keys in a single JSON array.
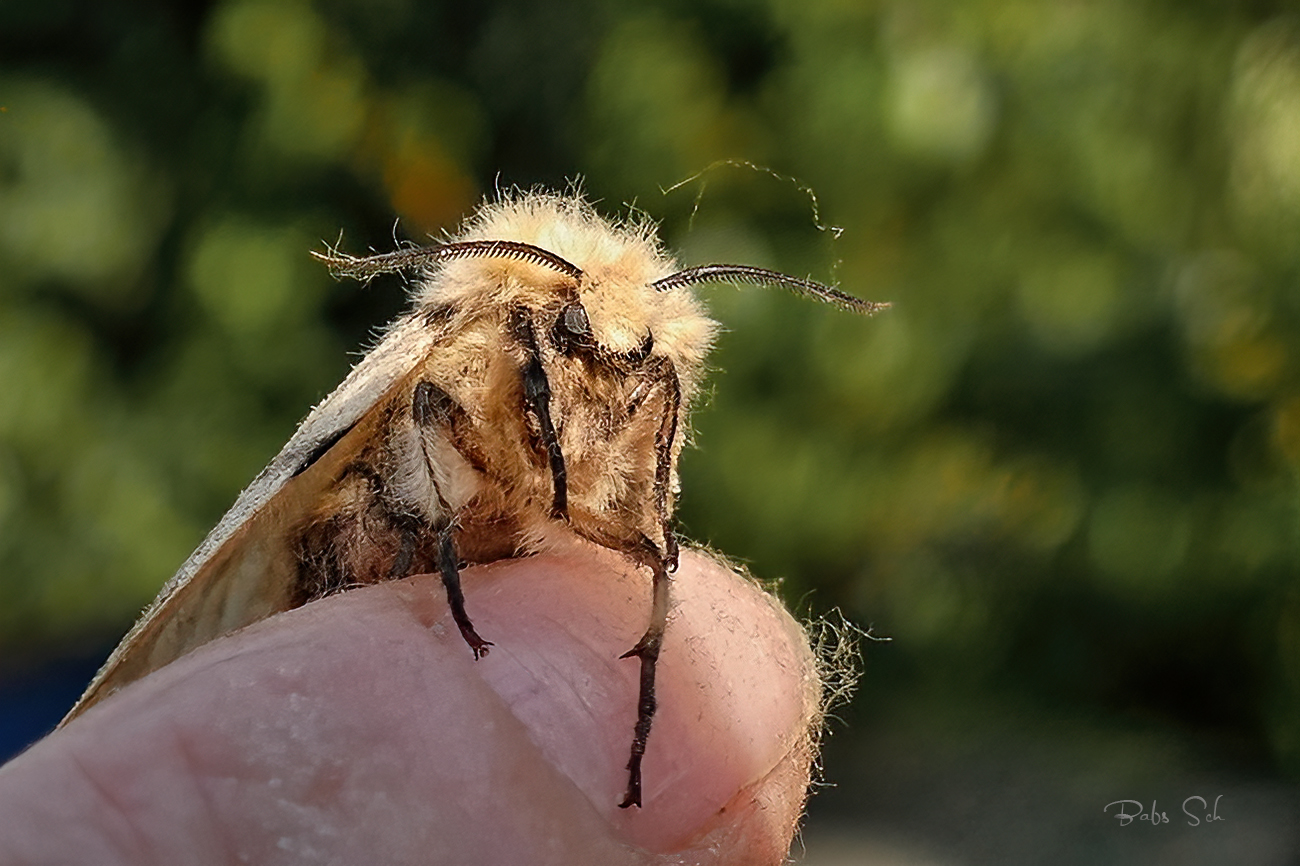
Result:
[{"x": 537, "y": 390}]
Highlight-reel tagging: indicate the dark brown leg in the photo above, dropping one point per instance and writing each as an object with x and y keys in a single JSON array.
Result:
[
  {"x": 447, "y": 567},
  {"x": 433, "y": 407},
  {"x": 661, "y": 562},
  {"x": 647, "y": 650},
  {"x": 664, "y": 437},
  {"x": 410, "y": 532},
  {"x": 537, "y": 399}
]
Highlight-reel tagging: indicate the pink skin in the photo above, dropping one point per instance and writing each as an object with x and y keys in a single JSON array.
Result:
[{"x": 359, "y": 729}]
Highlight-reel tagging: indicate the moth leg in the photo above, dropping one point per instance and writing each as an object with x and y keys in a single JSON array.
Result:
[
  {"x": 537, "y": 398},
  {"x": 647, "y": 650},
  {"x": 450, "y": 571},
  {"x": 410, "y": 540},
  {"x": 661, "y": 562},
  {"x": 432, "y": 407},
  {"x": 664, "y": 438}
]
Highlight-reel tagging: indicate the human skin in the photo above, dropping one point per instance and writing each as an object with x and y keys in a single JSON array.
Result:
[{"x": 359, "y": 729}]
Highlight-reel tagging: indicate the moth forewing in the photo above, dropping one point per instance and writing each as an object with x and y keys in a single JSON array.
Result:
[
  {"x": 245, "y": 569},
  {"x": 538, "y": 391}
]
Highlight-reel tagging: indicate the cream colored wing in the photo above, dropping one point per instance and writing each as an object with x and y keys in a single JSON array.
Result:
[{"x": 245, "y": 570}]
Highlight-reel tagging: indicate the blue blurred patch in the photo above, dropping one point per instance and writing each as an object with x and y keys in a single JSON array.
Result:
[{"x": 32, "y": 701}]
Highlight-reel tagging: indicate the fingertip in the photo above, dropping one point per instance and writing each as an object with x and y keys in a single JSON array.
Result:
[{"x": 729, "y": 752}]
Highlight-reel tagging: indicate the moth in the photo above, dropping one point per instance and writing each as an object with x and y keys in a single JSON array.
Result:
[{"x": 537, "y": 390}]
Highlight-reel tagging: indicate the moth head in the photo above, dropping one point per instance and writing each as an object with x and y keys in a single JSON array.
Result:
[{"x": 595, "y": 287}]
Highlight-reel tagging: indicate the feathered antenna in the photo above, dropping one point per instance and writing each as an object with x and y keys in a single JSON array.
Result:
[
  {"x": 366, "y": 267},
  {"x": 764, "y": 277}
]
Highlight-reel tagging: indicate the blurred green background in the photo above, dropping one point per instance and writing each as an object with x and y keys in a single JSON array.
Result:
[{"x": 1061, "y": 473}]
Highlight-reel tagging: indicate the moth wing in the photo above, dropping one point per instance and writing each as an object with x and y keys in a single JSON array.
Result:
[{"x": 245, "y": 571}]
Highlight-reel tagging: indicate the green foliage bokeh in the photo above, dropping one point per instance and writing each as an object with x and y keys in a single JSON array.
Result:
[{"x": 1063, "y": 465}]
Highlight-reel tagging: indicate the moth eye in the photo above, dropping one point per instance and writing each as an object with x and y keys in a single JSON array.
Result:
[
  {"x": 572, "y": 329},
  {"x": 575, "y": 320}
]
